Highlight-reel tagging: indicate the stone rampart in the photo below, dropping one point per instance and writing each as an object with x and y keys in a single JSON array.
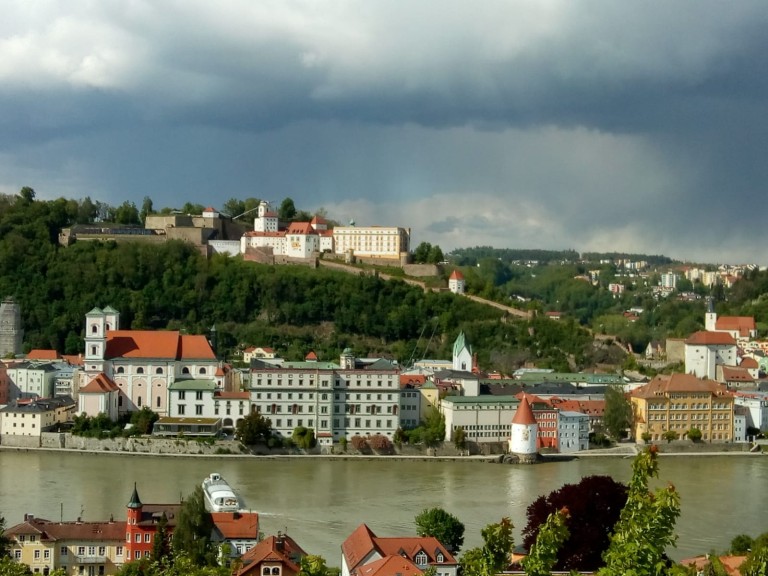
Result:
[
  {"x": 11, "y": 441},
  {"x": 138, "y": 444}
]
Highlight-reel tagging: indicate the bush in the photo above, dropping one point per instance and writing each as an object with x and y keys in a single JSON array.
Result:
[
  {"x": 380, "y": 444},
  {"x": 343, "y": 443},
  {"x": 694, "y": 434},
  {"x": 359, "y": 443}
]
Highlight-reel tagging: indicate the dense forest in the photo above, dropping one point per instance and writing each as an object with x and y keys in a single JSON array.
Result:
[{"x": 291, "y": 308}]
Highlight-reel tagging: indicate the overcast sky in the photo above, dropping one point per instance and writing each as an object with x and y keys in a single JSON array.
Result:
[{"x": 608, "y": 126}]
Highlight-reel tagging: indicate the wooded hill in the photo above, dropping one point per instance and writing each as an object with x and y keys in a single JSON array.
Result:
[{"x": 291, "y": 308}]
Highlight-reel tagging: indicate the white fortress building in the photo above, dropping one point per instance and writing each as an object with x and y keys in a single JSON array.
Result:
[
  {"x": 522, "y": 441},
  {"x": 303, "y": 239}
]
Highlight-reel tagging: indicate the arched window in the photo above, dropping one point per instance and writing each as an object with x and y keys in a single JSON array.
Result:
[
  {"x": 185, "y": 370},
  {"x": 202, "y": 370},
  {"x": 139, "y": 370},
  {"x": 275, "y": 570},
  {"x": 94, "y": 329},
  {"x": 265, "y": 571},
  {"x": 120, "y": 370},
  {"x": 159, "y": 371},
  {"x": 138, "y": 403},
  {"x": 421, "y": 559}
]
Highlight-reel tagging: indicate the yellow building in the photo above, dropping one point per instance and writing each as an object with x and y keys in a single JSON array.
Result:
[
  {"x": 372, "y": 241},
  {"x": 80, "y": 548},
  {"x": 679, "y": 402}
]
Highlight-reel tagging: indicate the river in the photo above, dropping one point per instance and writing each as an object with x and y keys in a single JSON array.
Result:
[{"x": 319, "y": 502}]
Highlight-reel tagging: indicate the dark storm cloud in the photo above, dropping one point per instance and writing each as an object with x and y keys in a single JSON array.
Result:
[{"x": 559, "y": 124}]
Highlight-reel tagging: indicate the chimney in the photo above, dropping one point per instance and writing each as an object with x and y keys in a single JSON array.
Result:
[{"x": 28, "y": 517}]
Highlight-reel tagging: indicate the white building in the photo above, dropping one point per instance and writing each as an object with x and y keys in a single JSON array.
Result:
[
  {"x": 669, "y": 280},
  {"x": 99, "y": 396},
  {"x": 756, "y": 405},
  {"x": 704, "y": 351},
  {"x": 456, "y": 282},
  {"x": 483, "y": 418},
  {"x": 524, "y": 432},
  {"x": 31, "y": 418},
  {"x": 31, "y": 379},
  {"x": 372, "y": 241}
]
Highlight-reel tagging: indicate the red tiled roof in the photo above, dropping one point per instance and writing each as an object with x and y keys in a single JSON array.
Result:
[
  {"x": 749, "y": 363},
  {"x": 664, "y": 384},
  {"x": 319, "y": 220},
  {"x": 300, "y": 228},
  {"x": 41, "y": 354},
  {"x": 270, "y": 214},
  {"x": 195, "y": 347},
  {"x": 743, "y": 324},
  {"x": 390, "y": 566},
  {"x": 101, "y": 384},
  {"x": 311, "y": 356},
  {"x": 736, "y": 374},
  {"x": 74, "y": 359},
  {"x": 703, "y": 338},
  {"x": 257, "y": 233},
  {"x": 412, "y": 380},
  {"x": 357, "y": 546},
  {"x": 237, "y": 524},
  {"x": 732, "y": 564},
  {"x": 456, "y": 275},
  {"x": 102, "y": 531},
  {"x": 231, "y": 395},
  {"x": 272, "y": 549},
  {"x": 524, "y": 414},
  {"x": 142, "y": 344}
]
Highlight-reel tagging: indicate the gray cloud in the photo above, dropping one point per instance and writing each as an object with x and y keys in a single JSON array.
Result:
[{"x": 561, "y": 124}]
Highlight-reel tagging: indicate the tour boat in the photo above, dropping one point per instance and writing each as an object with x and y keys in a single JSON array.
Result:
[{"x": 220, "y": 497}]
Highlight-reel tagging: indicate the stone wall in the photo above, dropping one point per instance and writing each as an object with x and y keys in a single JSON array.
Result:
[
  {"x": 8, "y": 440},
  {"x": 144, "y": 445},
  {"x": 422, "y": 270}
]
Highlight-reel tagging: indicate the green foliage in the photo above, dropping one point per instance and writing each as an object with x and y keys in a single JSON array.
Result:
[
  {"x": 460, "y": 438},
  {"x": 313, "y": 565},
  {"x": 431, "y": 432},
  {"x": 287, "y": 210},
  {"x": 670, "y": 435},
  {"x": 426, "y": 253},
  {"x": 542, "y": 556},
  {"x": 192, "y": 536},
  {"x": 161, "y": 549},
  {"x": 304, "y": 438},
  {"x": 9, "y": 567},
  {"x": 741, "y": 544},
  {"x": 694, "y": 434},
  {"x": 343, "y": 443},
  {"x": 4, "y": 541},
  {"x": 444, "y": 526},
  {"x": 143, "y": 420},
  {"x": 493, "y": 557},
  {"x": 618, "y": 412},
  {"x": 180, "y": 566},
  {"x": 253, "y": 428},
  {"x": 646, "y": 526}
]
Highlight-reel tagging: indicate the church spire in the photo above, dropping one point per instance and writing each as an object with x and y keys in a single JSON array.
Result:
[{"x": 135, "y": 500}]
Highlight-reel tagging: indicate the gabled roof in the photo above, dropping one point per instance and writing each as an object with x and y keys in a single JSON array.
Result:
[
  {"x": 47, "y": 530},
  {"x": 42, "y": 354},
  {"x": 703, "y": 338},
  {"x": 390, "y": 566},
  {"x": 280, "y": 548},
  {"x": 318, "y": 220},
  {"x": 524, "y": 414},
  {"x": 311, "y": 356},
  {"x": 736, "y": 374},
  {"x": 195, "y": 347},
  {"x": 101, "y": 384},
  {"x": 157, "y": 344},
  {"x": 300, "y": 228},
  {"x": 224, "y": 395},
  {"x": 749, "y": 363}
]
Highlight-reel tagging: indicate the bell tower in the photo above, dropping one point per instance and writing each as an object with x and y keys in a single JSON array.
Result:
[{"x": 95, "y": 341}]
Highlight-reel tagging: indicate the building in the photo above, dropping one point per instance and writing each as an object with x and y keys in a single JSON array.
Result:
[
  {"x": 669, "y": 280},
  {"x": 144, "y": 523},
  {"x": 32, "y": 379},
  {"x": 11, "y": 333},
  {"x": 456, "y": 282},
  {"x": 484, "y": 418},
  {"x": 679, "y": 402},
  {"x": 573, "y": 431},
  {"x": 92, "y": 548},
  {"x": 365, "y": 554},
  {"x": 524, "y": 433},
  {"x": 356, "y": 397},
  {"x": 462, "y": 354},
  {"x": 33, "y": 417},
  {"x": 704, "y": 351},
  {"x": 547, "y": 420},
  {"x": 145, "y": 363},
  {"x": 238, "y": 530},
  {"x": 274, "y": 556},
  {"x": 99, "y": 396},
  {"x": 756, "y": 405},
  {"x": 392, "y": 243},
  {"x": 742, "y": 328},
  {"x": 258, "y": 353}
]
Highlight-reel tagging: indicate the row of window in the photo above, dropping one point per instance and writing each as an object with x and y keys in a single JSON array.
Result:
[{"x": 390, "y": 383}]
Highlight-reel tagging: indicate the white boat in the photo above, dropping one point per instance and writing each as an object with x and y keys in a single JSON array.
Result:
[{"x": 220, "y": 497}]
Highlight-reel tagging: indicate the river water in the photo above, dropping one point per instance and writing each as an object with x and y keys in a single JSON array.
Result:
[{"x": 320, "y": 502}]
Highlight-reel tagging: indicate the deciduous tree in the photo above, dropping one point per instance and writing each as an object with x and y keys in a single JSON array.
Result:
[
  {"x": 444, "y": 526},
  {"x": 493, "y": 557},
  {"x": 253, "y": 428},
  {"x": 618, "y": 412},
  {"x": 542, "y": 556},
  {"x": 192, "y": 536}
]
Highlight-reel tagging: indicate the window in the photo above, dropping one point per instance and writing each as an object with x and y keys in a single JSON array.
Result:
[
  {"x": 136, "y": 555},
  {"x": 102, "y": 551},
  {"x": 275, "y": 570},
  {"x": 158, "y": 402},
  {"x": 127, "y": 536},
  {"x": 185, "y": 370},
  {"x": 17, "y": 554},
  {"x": 202, "y": 371},
  {"x": 37, "y": 554},
  {"x": 91, "y": 550},
  {"x": 138, "y": 538},
  {"x": 199, "y": 395},
  {"x": 46, "y": 554},
  {"x": 139, "y": 370},
  {"x": 119, "y": 551},
  {"x": 265, "y": 571},
  {"x": 146, "y": 537},
  {"x": 64, "y": 551},
  {"x": 182, "y": 395},
  {"x": 199, "y": 409},
  {"x": 139, "y": 402},
  {"x": 421, "y": 559},
  {"x": 182, "y": 409},
  {"x": 120, "y": 370}
]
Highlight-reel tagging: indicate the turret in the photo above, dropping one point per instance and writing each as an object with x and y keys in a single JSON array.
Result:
[
  {"x": 134, "y": 507},
  {"x": 522, "y": 441}
]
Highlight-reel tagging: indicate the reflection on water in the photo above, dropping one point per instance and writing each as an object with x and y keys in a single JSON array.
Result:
[{"x": 320, "y": 502}]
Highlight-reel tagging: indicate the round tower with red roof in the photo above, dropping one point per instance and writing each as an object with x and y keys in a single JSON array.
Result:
[{"x": 522, "y": 441}]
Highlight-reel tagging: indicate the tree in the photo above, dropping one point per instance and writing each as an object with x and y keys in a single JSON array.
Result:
[
  {"x": 27, "y": 195},
  {"x": 144, "y": 420},
  {"x": 741, "y": 544},
  {"x": 542, "y": 556},
  {"x": 146, "y": 209},
  {"x": 9, "y": 567},
  {"x": 435, "y": 255},
  {"x": 127, "y": 213},
  {"x": 646, "y": 525},
  {"x": 304, "y": 438},
  {"x": 313, "y": 565},
  {"x": 287, "y": 209},
  {"x": 493, "y": 557},
  {"x": 5, "y": 543},
  {"x": 670, "y": 435},
  {"x": 594, "y": 505},
  {"x": 161, "y": 549},
  {"x": 460, "y": 438},
  {"x": 192, "y": 536},
  {"x": 421, "y": 253},
  {"x": 253, "y": 428},
  {"x": 442, "y": 525},
  {"x": 618, "y": 412},
  {"x": 694, "y": 434}
]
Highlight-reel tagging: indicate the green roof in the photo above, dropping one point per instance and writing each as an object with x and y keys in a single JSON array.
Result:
[
  {"x": 94, "y": 312},
  {"x": 192, "y": 384},
  {"x": 460, "y": 344},
  {"x": 308, "y": 366},
  {"x": 187, "y": 420}
]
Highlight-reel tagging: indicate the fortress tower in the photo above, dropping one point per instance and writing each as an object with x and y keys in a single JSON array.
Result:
[
  {"x": 522, "y": 441},
  {"x": 11, "y": 333}
]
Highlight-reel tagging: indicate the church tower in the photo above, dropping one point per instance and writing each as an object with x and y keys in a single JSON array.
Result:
[
  {"x": 522, "y": 441},
  {"x": 96, "y": 340},
  {"x": 11, "y": 333},
  {"x": 462, "y": 354},
  {"x": 710, "y": 318}
]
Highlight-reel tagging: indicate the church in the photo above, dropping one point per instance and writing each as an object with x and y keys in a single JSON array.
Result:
[{"x": 144, "y": 363}]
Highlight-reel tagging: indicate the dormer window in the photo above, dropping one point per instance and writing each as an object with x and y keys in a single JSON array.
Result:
[
  {"x": 421, "y": 559},
  {"x": 440, "y": 557},
  {"x": 265, "y": 571},
  {"x": 185, "y": 370},
  {"x": 202, "y": 370}
]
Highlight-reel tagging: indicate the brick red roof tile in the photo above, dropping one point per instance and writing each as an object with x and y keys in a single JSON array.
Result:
[{"x": 703, "y": 338}]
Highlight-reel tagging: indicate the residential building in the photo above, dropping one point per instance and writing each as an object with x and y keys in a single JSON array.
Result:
[
  {"x": 364, "y": 554},
  {"x": 669, "y": 280},
  {"x": 33, "y": 417},
  {"x": 573, "y": 431},
  {"x": 32, "y": 379},
  {"x": 258, "y": 352},
  {"x": 704, "y": 351},
  {"x": 143, "y": 523},
  {"x": 87, "y": 548},
  {"x": 239, "y": 530},
  {"x": 679, "y": 402},
  {"x": 274, "y": 556},
  {"x": 756, "y": 405}
]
